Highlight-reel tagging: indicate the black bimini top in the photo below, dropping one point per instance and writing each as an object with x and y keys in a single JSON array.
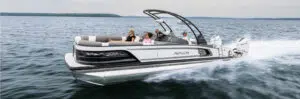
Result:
[{"x": 153, "y": 13}]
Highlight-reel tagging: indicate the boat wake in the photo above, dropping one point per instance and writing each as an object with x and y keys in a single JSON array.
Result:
[{"x": 262, "y": 57}]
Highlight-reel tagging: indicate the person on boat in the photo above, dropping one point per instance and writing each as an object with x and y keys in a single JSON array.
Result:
[
  {"x": 131, "y": 36},
  {"x": 159, "y": 35},
  {"x": 147, "y": 39},
  {"x": 185, "y": 37}
]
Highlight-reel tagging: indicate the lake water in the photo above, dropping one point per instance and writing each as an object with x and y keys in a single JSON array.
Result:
[{"x": 33, "y": 48}]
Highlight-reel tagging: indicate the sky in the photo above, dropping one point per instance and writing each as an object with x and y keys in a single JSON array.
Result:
[{"x": 206, "y": 8}]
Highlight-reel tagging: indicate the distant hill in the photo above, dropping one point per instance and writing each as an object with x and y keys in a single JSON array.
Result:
[
  {"x": 275, "y": 18},
  {"x": 115, "y": 15},
  {"x": 61, "y": 14},
  {"x": 197, "y": 17},
  {"x": 247, "y": 18}
]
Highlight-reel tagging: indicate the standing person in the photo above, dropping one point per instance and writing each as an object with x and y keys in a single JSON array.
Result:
[
  {"x": 185, "y": 37},
  {"x": 131, "y": 36}
]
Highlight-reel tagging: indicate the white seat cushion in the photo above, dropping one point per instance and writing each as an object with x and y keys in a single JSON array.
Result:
[
  {"x": 137, "y": 39},
  {"x": 92, "y": 38}
]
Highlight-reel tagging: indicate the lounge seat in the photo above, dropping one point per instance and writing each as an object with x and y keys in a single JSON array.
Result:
[
  {"x": 98, "y": 38},
  {"x": 98, "y": 41}
]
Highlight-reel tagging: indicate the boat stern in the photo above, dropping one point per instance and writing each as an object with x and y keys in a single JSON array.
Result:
[
  {"x": 103, "y": 76},
  {"x": 73, "y": 65}
]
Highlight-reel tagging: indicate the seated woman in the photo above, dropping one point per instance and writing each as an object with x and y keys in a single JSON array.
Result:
[
  {"x": 147, "y": 39},
  {"x": 131, "y": 36}
]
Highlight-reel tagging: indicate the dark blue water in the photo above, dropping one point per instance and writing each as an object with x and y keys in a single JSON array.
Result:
[{"x": 33, "y": 48}]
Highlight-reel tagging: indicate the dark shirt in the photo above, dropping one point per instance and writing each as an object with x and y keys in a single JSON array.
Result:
[
  {"x": 129, "y": 38},
  {"x": 160, "y": 36}
]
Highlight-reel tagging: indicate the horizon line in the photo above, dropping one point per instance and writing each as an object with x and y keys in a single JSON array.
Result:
[{"x": 212, "y": 17}]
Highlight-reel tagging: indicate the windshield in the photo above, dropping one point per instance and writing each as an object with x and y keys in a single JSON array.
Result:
[
  {"x": 179, "y": 29},
  {"x": 170, "y": 22}
]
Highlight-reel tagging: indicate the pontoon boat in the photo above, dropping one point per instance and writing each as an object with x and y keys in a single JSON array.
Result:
[{"x": 98, "y": 61}]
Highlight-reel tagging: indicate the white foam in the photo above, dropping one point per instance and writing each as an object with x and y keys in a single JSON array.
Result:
[
  {"x": 277, "y": 50},
  {"x": 268, "y": 49}
]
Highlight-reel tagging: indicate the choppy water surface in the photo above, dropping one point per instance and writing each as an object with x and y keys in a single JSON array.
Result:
[{"x": 33, "y": 48}]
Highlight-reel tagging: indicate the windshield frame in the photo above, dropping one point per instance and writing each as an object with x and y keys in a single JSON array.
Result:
[{"x": 153, "y": 13}]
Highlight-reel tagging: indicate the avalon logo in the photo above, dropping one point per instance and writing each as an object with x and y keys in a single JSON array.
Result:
[{"x": 182, "y": 53}]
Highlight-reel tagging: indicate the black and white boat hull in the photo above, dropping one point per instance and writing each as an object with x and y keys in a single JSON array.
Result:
[
  {"x": 97, "y": 60},
  {"x": 171, "y": 58},
  {"x": 123, "y": 74}
]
